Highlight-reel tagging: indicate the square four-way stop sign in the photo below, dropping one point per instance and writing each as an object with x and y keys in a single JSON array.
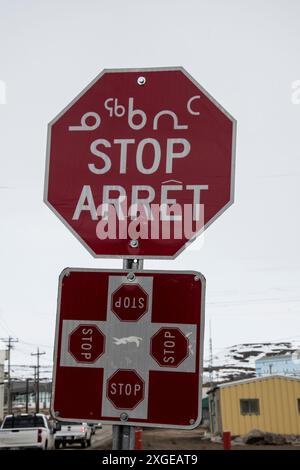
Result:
[{"x": 129, "y": 347}]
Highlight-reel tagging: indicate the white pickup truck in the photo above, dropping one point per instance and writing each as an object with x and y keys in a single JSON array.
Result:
[
  {"x": 23, "y": 431},
  {"x": 73, "y": 433}
]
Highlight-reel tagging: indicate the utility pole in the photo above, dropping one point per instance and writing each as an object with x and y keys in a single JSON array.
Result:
[
  {"x": 34, "y": 382},
  {"x": 210, "y": 357},
  {"x": 27, "y": 395},
  {"x": 9, "y": 343},
  {"x": 37, "y": 354}
]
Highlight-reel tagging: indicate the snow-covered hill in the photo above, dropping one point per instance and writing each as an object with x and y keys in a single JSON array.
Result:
[{"x": 238, "y": 362}]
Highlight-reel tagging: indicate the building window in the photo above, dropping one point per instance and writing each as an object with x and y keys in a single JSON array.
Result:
[
  {"x": 249, "y": 406},
  {"x": 298, "y": 401}
]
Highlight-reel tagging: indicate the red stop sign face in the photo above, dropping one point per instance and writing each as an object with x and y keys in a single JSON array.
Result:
[
  {"x": 140, "y": 162},
  {"x": 86, "y": 343},
  {"x": 169, "y": 347},
  {"x": 125, "y": 389},
  {"x": 129, "y": 302}
]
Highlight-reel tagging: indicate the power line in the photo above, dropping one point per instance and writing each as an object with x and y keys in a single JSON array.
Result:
[
  {"x": 35, "y": 344},
  {"x": 5, "y": 326},
  {"x": 44, "y": 366}
]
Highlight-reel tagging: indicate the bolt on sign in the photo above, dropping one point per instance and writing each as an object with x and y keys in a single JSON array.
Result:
[
  {"x": 127, "y": 349},
  {"x": 140, "y": 163}
]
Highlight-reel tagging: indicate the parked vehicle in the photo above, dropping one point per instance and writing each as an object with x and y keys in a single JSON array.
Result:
[
  {"x": 94, "y": 427},
  {"x": 22, "y": 431},
  {"x": 73, "y": 433}
]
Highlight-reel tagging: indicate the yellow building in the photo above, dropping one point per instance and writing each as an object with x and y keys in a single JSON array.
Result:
[{"x": 271, "y": 404}]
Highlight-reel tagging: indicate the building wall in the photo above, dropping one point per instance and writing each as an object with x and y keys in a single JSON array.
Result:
[
  {"x": 277, "y": 402},
  {"x": 289, "y": 365}
]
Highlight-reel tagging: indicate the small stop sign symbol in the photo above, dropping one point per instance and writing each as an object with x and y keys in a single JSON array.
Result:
[
  {"x": 129, "y": 302},
  {"x": 86, "y": 343},
  {"x": 169, "y": 347},
  {"x": 125, "y": 389}
]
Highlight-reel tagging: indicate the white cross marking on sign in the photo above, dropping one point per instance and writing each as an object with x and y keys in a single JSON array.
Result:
[{"x": 127, "y": 346}]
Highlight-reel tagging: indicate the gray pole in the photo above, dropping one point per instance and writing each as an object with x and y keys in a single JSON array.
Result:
[
  {"x": 27, "y": 395},
  {"x": 124, "y": 436},
  {"x": 38, "y": 354}
]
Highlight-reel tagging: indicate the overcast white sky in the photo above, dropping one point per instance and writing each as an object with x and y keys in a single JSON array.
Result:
[{"x": 246, "y": 54}]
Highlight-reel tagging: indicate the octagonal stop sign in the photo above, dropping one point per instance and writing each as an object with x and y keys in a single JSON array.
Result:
[
  {"x": 125, "y": 389},
  {"x": 169, "y": 347},
  {"x": 129, "y": 302},
  {"x": 148, "y": 156},
  {"x": 86, "y": 343}
]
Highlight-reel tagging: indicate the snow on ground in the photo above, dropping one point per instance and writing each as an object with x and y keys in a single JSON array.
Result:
[{"x": 238, "y": 361}]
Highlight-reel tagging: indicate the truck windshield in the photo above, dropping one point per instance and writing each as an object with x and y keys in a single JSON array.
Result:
[{"x": 23, "y": 422}]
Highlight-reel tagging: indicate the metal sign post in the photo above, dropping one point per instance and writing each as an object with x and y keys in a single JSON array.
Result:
[{"x": 124, "y": 436}]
